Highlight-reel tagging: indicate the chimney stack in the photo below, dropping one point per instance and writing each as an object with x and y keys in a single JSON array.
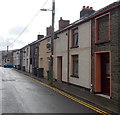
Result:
[
  {"x": 63, "y": 23},
  {"x": 40, "y": 37},
  {"x": 86, "y": 11},
  {"x": 49, "y": 30}
]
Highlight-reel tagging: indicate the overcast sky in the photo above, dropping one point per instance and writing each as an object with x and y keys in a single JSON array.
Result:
[{"x": 15, "y": 15}]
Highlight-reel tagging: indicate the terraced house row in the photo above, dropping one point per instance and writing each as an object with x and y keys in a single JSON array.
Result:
[{"x": 86, "y": 52}]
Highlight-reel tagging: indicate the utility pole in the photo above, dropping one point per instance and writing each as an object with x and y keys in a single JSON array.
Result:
[
  {"x": 52, "y": 43},
  {"x": 7, "y": 48}
]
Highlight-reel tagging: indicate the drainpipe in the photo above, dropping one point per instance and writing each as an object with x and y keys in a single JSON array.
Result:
[
  {"x": 68, "y": 34},
  {"x": 91, "y": 57}
]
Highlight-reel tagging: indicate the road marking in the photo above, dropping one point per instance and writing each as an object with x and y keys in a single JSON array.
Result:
[{"x": 73, "y": 98}]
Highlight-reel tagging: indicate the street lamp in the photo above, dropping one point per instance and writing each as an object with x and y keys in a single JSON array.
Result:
[{"x": 52, "y": 40}]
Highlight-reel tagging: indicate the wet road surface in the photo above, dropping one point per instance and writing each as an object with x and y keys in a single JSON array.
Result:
[{"x": 20, "y": 94}]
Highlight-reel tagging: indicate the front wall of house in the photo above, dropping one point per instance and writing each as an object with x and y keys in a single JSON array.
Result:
[
  {"x": 16, "y": 57},
  {"x": 112, "y": 46},
  {"x": 7, "y": 57},
  {"x": 26, "y": 58},
  {"x": 43, "y": 56},
  {"x": 119, "y": 56},
  {"x": 60, "y": 50},
  {"x": 27, "y": 50},
  {"x": 23, "y": 57},
  {"x": 0, "y": 58},
  {"x": 84, "y": 56}
]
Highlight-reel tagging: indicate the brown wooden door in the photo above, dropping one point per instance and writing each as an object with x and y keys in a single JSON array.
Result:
[
  {"x": 97, "y": 72},
  {"x": 59, "y": 68}
]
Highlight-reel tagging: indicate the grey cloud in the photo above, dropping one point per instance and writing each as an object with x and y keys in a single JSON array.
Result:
[
  {"x": 4, "y": 42},
  {"x": 17, "y": 30}
]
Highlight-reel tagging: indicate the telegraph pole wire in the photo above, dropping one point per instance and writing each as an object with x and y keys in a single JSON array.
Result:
[{"x": 28, "y": 24}]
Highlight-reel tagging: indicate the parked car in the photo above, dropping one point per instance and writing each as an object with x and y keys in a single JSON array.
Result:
[{"x": 8, "y": 65}]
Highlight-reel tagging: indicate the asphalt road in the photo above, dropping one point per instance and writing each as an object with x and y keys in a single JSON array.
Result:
[{"x": 20, "y": 94}]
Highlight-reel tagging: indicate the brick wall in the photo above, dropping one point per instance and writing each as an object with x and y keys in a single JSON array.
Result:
[
  {"x": 114, "y": 46},
  {"x": 119, "y": 55},
  {"x": 63, "y": 23},
  {"x": 49, "y": 30},
  {"x": 103, "y": 28}
]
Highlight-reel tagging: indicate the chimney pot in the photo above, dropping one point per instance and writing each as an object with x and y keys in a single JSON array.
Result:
[
  {"x": 86, "y": 11},
  {"x": 91, "y": 8},
  {"x": 83, "y": 7},
  {"x": 87, "y": 7}
]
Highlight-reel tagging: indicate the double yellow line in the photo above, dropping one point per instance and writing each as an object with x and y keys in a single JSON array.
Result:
[{"x": 73, "y": 98}]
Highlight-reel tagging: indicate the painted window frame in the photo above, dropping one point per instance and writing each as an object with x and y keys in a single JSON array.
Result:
[
  {"x": 75, "y": 58},
  {"x": 75, "y": 45},
  {"x": 96, "y": 27},
  {"x": 96, "y": 88}
]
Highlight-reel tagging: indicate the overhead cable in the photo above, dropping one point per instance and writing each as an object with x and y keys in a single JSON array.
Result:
[{"x": 29, "y": 23}]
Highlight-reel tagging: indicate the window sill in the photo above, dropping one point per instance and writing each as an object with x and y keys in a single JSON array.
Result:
[
  {"x": 48, "y": 52},
  {"x": 75, "y": 76},
  {"x": 98, "y": 42},
  {"x": 74, "y": 47}
]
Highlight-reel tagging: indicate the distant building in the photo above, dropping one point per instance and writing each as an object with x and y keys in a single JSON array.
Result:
[
  {"x": 0, "y": 58},
  {"x": 7, "y": 57},
  {"x": 25, "y": 58},
  {"x": 34, "y": 55},
  {"x": 16, "y": 59},
  {"x": 44, "y": 55}
]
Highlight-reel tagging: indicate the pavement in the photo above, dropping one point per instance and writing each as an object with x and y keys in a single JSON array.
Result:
[
  {"x": 83, "y": 94},
  {"x": 0, "y": 94}
]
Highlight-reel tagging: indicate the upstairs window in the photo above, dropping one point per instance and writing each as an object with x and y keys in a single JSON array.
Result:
[
  {"x": 102, "y": 28},
  {"x": 75, "y": 37}
]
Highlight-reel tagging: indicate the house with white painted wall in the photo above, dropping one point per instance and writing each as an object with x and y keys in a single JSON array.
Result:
[
  {"x": 16, "y": 59},
  {"x": 72, "y": 52}
]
